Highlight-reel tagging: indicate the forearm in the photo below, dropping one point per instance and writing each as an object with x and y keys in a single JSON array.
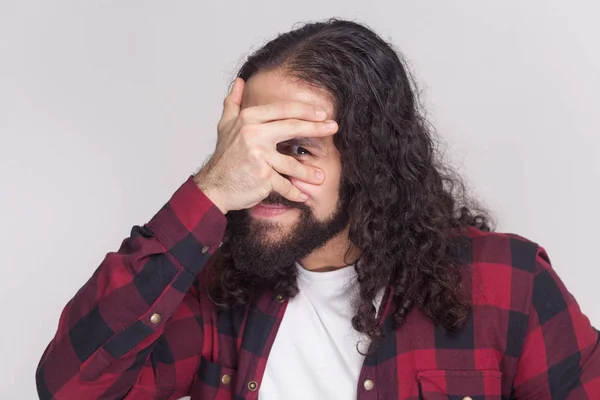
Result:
[{"x": 109, "y": 326}]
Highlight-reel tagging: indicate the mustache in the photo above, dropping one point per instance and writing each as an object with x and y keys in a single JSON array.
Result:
[{"x": 275, "y": 198}]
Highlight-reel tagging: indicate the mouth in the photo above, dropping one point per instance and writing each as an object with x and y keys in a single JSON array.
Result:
[{"x": 268, "y": 210}]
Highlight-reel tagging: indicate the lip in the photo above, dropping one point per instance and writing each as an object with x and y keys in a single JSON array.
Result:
[{"x": 268, "y": 210}]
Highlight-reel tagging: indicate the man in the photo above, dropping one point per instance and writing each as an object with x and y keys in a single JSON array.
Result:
[{"x": 322, "y": 253}]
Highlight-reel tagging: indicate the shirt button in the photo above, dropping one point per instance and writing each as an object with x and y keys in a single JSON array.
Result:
[
  {"x": 369, "y": 384},
  {"x": 280, "y": 298},
  {"x": 155, "y": 318},
  {"x": 226, "y": 379},
  {"x": 252, "y": 385},
  {"x": 205, "y": 249},
  {"x": 467, "y": 398}
]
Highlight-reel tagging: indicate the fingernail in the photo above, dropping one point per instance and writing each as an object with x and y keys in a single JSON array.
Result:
[
  {"x": 320, "y": 175},
  {"x": 330, "y": 123},
  {"x": 303, "y": 196},
  {"x": 321, "y": 114}
]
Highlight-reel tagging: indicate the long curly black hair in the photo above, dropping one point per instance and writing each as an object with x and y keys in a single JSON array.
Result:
[{"x": 404, "y": 206}]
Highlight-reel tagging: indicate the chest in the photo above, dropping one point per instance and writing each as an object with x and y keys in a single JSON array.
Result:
[
  {"x": 314, "y": 339},
  {"x": 417, "y": 361}
]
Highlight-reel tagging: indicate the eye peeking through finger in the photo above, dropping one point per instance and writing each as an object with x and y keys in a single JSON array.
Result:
[
  {"x": 292, "y": 149},
  {"x": 299, "y": 150}
]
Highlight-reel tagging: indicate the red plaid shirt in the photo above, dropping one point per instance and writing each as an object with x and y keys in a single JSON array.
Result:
[{"x": 143, "y": 328}]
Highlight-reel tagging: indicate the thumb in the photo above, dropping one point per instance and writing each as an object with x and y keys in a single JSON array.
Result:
[{"x": 233, "y": 102}]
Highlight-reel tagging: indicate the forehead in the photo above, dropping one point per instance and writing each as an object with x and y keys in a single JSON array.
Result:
[{"x": 274, "y": 86}]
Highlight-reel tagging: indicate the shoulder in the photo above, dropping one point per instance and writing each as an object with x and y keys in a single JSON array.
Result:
[
  {"x": 502, "y": 270},
  {"x": 495, "y": 249}
]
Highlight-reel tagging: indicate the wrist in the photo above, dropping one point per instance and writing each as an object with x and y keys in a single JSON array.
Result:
[{"x": 210, "y": 191}]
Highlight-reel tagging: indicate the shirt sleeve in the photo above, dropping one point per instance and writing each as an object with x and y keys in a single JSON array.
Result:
[
  {"x": 561, "y": 352},
  {"x": 107, "y": 330}
]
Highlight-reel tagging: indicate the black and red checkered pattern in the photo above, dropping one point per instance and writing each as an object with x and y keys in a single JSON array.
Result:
[{"x": 143, "y": 327}]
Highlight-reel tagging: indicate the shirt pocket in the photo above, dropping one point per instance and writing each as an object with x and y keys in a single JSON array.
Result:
[
  {"x": 213, "y": 381},
  {"x": 460, "y": 384}
]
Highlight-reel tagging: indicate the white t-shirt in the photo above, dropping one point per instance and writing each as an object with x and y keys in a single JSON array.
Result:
[{"x": 314, "y": 355}]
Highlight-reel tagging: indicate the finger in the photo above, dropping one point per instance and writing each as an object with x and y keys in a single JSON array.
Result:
[
  {"x": 304, "y": 187},
  {"x": 233, "y": 102},
  {"x": 285, "y": 188},
  {"x": 279, "y": 131},
  {"x": 292, "y": 168},
  {"x": 283, "y": 110}
]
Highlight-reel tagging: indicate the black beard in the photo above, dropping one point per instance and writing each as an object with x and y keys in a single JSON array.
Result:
[{"x": 260, "y": 258}]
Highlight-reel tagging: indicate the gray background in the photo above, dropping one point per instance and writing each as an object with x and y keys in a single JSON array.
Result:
[{"x": 107, "y": 106}]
